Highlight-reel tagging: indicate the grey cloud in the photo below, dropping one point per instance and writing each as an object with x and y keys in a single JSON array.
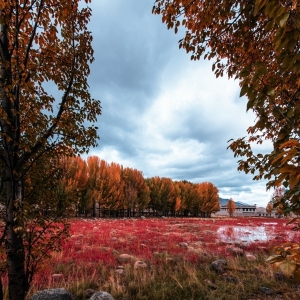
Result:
[
  {"x": 203, "y": 128},
  {"x": 130, "y": 47}
]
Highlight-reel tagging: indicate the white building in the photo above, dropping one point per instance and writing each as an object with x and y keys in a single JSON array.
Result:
[{"x": 240, "y": 210}]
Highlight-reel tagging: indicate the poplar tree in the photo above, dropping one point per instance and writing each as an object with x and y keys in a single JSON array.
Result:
[{"x": 231, "y": 207}]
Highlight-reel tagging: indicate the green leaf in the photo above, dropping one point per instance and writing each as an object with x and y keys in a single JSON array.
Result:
[{"x": 262, "y": 70}]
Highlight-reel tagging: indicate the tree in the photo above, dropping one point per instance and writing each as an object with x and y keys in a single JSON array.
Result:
[
  {"x": 188, "y": 196},
  {"x": 168, "y": 195},
  {"x": 231, "y": 207},
  {"x": 154, "y": 184},
  {"x": 110, "y": 186},
  {"x": 95, "y": 170},
  {"x": 43, "y": 44},
  {"x": 269, "y": 208},
  {"x": 256, "y": 42},
  {"x": 209, "y": 200},
  {"x": 45, "y": 221},
  {"x": 116, "y": 183},
  {"x": 73, "y": 185},
  {"x": 136, "y": 192},
  {"x": 276, "y": 199},
  {"x": 163, "y": 195}
]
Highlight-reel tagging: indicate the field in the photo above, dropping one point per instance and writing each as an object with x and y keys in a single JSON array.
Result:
[{"x": 174, "y": 259}]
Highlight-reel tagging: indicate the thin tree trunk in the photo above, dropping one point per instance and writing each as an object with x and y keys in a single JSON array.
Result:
[
  {"x": 1, "y": 289},
  {"x": 10, "y": 140},
  {"x": 17, "y": 286}
]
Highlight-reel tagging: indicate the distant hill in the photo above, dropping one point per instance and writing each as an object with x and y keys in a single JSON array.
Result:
[{"x": 225, "y": 201}]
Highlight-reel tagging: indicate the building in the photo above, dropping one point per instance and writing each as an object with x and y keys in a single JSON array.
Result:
[{"x": 240, "y": 210}]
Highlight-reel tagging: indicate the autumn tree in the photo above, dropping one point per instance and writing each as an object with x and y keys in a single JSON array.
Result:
[
  {"x": 136, "y": 191},
  {"x": 44, "y": 44},
  {"x": 154, "y": 184},
  {"x": 188, "y": 196},
  {"x": 269, "y": 208},
  {"x": 209, "y": 200},
  {"x": 276, "y": 200},
  {"x": 95, "y": 171},
  {"x": 231, "y": 207},
  {"x": 104, "y": 186},
  {"x": 256, "y": 42},
  {"x": 164, "y": 195},
  {"x": 143, "y": 190},
  {"x": 117, "y": 185},
  {"x": 176, "y": 204},
  {"x": 73, "y": 186},
  {"x": 168, "y": 195}
]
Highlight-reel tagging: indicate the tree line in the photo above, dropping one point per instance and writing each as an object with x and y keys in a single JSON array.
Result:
[{"x": 94, "y": 187}]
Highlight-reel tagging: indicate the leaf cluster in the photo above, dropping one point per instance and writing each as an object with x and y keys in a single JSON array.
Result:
[
  {"x": 46, "y": 47},
  {"x": 286, "y": 259}
]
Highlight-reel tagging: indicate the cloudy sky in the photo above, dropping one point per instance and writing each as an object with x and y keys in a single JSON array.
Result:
[{"x": 162, "y": 113}]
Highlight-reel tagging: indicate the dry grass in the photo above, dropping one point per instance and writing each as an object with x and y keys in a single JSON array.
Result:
[{"x": 178, "y": 279}]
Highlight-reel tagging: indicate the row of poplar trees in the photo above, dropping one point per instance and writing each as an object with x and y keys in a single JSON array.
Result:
[{"x": 97, "y": 188}]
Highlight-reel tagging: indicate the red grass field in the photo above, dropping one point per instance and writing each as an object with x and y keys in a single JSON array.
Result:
[{"x": 98, "y": 240}]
